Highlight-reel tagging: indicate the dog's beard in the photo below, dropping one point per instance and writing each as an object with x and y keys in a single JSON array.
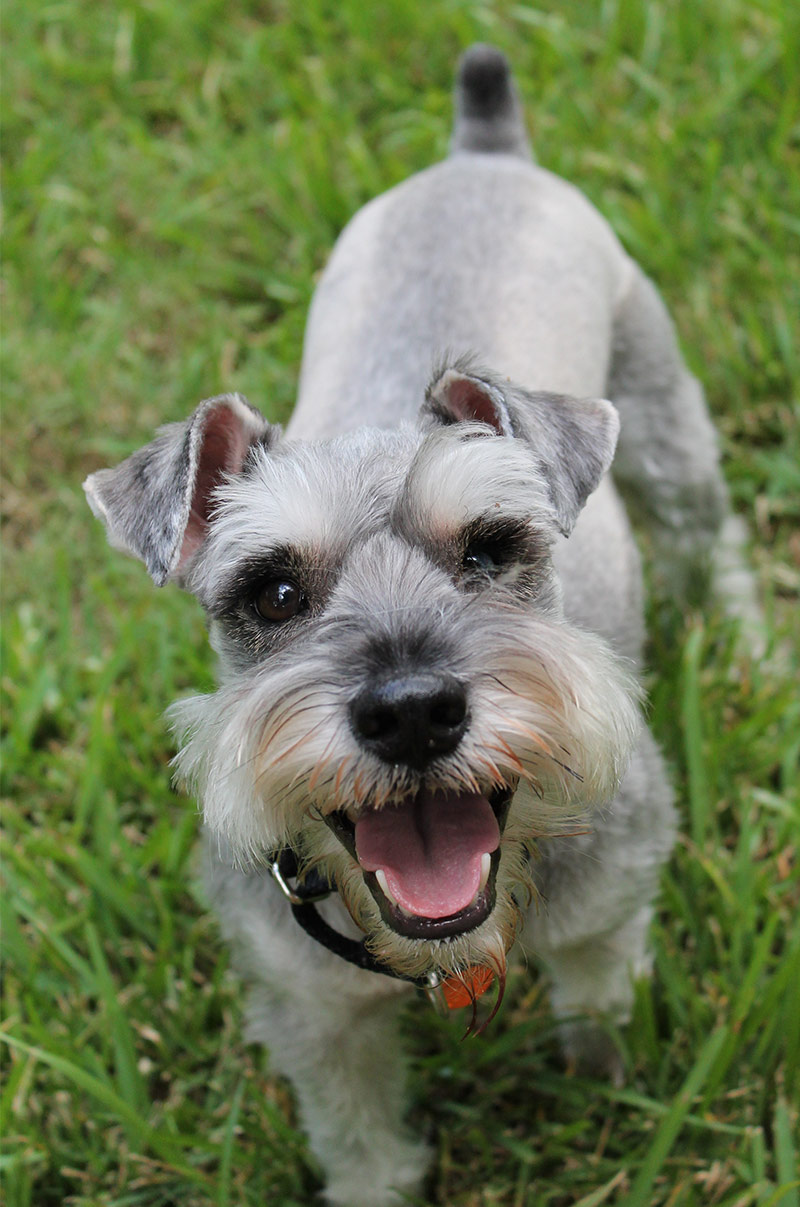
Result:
[{"x": 551, "y": 710}]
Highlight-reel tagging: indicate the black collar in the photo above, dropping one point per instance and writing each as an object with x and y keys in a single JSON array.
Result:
[{"x": 303, "y": 896}]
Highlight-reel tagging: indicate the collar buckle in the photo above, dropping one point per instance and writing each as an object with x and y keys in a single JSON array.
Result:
[
  {"x": 284, "y": 869},
  {"x": 434, "y": 992}
]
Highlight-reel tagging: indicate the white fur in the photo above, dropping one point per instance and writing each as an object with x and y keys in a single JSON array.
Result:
[{"x": 462, "y": 473}]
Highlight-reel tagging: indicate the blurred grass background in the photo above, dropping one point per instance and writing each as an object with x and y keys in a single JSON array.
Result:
[{"x": 175, "y": 177}]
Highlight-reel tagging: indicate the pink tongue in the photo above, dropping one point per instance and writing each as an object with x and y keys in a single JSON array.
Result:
[{"x": 430, "y": 849}]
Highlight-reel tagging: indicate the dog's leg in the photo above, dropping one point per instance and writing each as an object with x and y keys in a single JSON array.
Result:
[
  {"x": 667, "y": 462},
  {"x": 592, "y": 993},
  {"x": 342, "y": 1054},
  {"x": 591, "y": 923},
  {"x": 332, "y": 1031}
]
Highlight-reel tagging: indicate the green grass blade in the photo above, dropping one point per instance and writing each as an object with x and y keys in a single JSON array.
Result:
[
  {"x": 787, "y": 1158},
  {"x": 670, "y": 1126},
  {"x": 131, "y": 1085},
  {"x": 226, "y": 1155},
  {"x": 692, "y": 719},
  {"x": 165, "y": 1147}
]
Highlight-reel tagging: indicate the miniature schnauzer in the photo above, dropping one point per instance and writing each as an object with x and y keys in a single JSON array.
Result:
[{"x": 427, "y": 745}]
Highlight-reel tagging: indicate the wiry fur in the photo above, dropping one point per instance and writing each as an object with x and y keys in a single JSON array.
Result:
[
  {"x": 273, "y": 752},
  {"x": 431, "y": 548}
]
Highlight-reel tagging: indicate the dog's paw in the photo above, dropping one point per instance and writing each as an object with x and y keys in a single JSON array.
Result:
[
  {"x": 393, "y": 1178},
  {"x": 590, "y": 1050},
  {"x": 734, "y": 588}
]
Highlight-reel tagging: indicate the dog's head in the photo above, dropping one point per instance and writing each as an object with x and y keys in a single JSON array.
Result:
[{"x": 401, "y": 700}]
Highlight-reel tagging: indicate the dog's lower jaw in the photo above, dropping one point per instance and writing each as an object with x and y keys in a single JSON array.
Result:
[
  {"x": 416, "y": 927},
  {"x": 415, "y": 957},
  {"x": 325, "y": 842}
]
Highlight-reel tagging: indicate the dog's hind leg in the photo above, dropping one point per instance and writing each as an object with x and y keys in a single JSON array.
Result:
[{"x": 667, "y": 462}]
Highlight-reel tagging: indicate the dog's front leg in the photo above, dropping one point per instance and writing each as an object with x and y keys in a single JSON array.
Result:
[
  {"x": 590, "y": 925},
  {"x": 332, "y": 1030},
  {"x": 592, "y": 993},
  {"x": 341, "y": 1051}
]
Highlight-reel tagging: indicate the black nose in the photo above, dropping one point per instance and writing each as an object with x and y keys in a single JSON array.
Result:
[{"x": 410, "y": 719}]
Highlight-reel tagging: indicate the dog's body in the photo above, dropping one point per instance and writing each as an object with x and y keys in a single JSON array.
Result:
[{"x": 405, "y": 633}]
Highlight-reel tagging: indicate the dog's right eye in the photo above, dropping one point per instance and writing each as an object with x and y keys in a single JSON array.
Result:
[{"x": 279, "y": 599}]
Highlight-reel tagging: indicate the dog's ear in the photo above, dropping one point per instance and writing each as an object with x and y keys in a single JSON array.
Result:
[
  {"x": 573, "y": 439},
  {"x": 156, "y": 504}
]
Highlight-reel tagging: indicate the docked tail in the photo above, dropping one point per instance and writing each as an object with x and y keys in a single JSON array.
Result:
[{"x": 488, "y": 115}]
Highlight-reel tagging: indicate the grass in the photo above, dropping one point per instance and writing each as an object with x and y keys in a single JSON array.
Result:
[{"x": 176, "y": 175}]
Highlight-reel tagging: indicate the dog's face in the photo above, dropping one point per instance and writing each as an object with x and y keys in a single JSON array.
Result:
[{"x": 401, "y": 700}]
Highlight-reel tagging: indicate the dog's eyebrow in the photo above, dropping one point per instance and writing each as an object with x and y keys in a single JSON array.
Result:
[
  {"x": 488, "y": 490},
  {"x": 513, "y": 543},
  {"x": 515, "y": 536},
  {"x": 454, "y": 480}
]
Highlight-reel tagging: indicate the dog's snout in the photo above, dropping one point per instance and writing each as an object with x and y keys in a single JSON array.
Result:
[{"x": 411, "y": 719}]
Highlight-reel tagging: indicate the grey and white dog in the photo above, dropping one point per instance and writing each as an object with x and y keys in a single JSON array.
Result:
[{"x": 427, "y": 606}]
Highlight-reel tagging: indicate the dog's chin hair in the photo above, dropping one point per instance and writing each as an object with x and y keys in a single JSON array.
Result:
[
  {"x": 485, "y": 947},
  {"x": 551, "y": 706}
]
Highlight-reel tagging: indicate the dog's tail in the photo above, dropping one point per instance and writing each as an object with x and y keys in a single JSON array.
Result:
[{"x": 488, "y": 115}]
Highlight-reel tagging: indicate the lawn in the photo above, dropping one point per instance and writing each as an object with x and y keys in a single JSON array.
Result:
[{"x": 175, "y": 177}]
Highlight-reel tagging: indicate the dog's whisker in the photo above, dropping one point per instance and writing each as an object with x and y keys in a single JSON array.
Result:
[
  {"x": 499, "y": 746},
  {"x": 276, "y": 722},
  {"x": 285, "y": 752},
  {"x": 322, "y": 762}
]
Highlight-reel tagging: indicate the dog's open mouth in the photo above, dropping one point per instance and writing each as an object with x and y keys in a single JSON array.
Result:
[{"x": 429, "y": 860}]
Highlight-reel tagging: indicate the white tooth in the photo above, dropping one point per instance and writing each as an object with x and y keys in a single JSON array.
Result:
[
  {"x": 486, "y": 867},
  {"x": 380, "y": 876}
]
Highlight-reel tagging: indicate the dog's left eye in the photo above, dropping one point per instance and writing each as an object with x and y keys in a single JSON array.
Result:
[
  {"x": 481, "y": 557},
  {"x": 279, "y": 599}
]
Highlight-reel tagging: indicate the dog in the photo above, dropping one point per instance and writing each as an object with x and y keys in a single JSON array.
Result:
[{"x": 427, "y": 745}]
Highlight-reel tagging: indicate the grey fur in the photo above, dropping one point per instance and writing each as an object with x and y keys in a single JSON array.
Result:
[{"x": 428, "y": 544}]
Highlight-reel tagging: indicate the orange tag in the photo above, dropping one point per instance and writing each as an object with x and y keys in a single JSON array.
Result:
[{"x": 463, "y": 990}]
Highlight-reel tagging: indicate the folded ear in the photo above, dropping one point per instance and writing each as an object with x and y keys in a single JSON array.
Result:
[
  {"x": 573, "y": 439},
  {"x": 156, "y": 504}
]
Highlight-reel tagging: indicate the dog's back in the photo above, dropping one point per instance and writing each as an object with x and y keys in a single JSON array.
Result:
[{"x": 483, "y": 253}]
